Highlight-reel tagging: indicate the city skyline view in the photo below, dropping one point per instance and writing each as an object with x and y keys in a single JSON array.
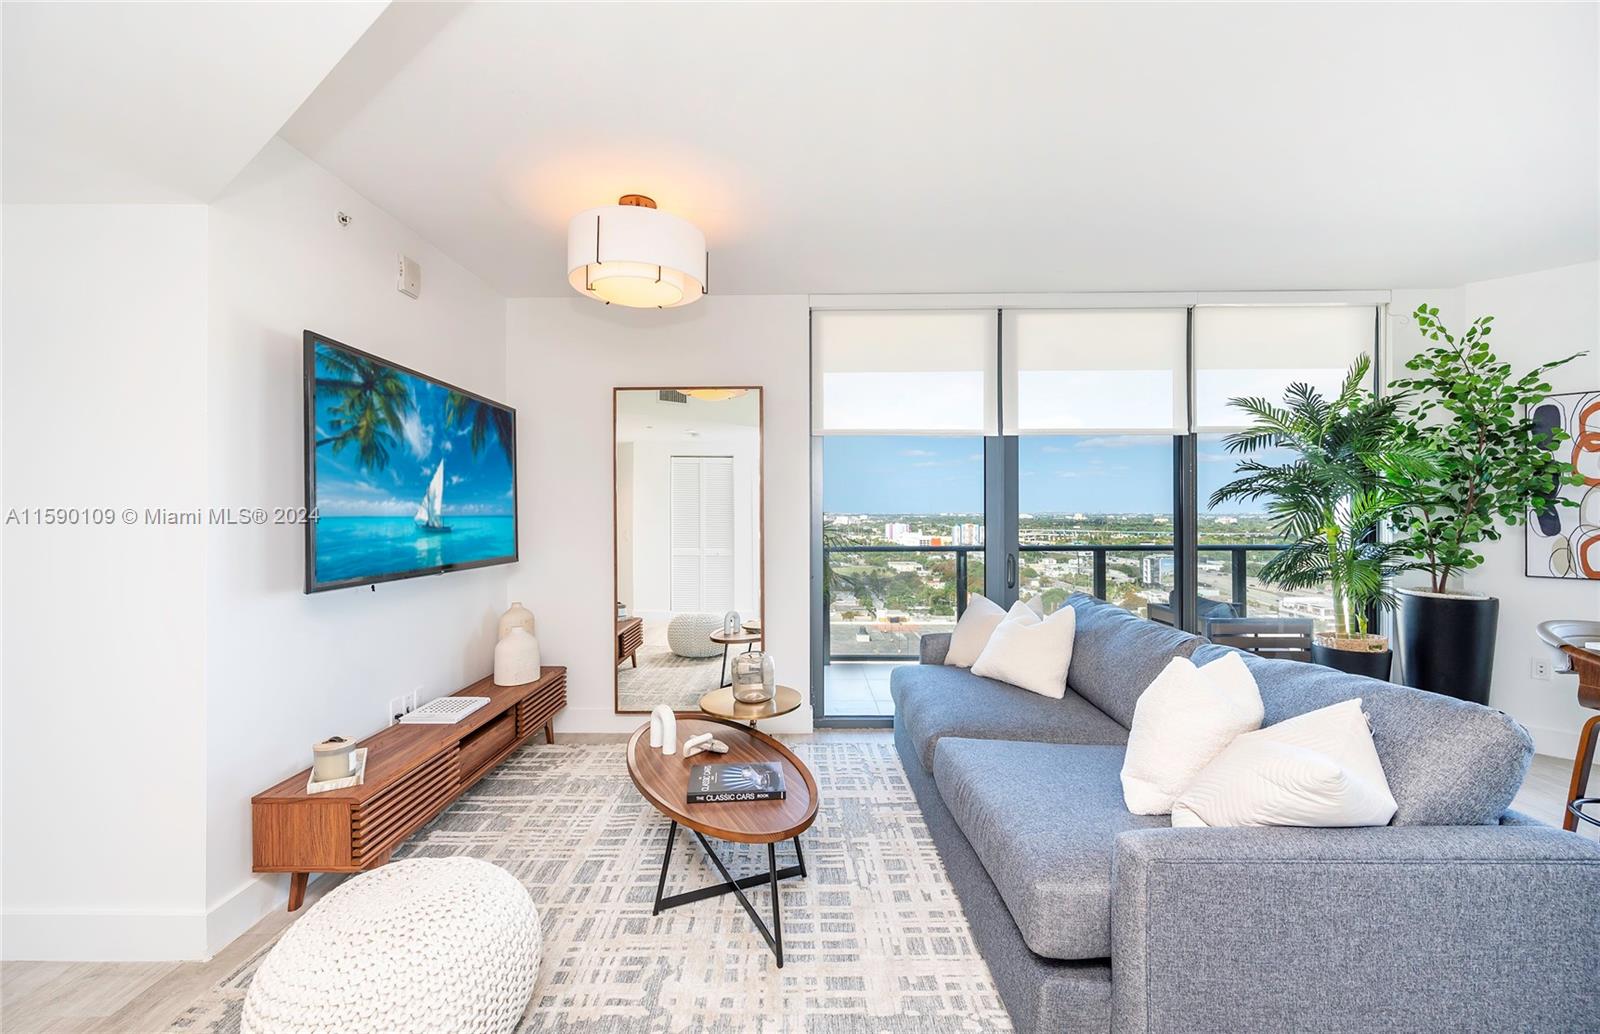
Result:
[{"x": 1090, "y": 474}]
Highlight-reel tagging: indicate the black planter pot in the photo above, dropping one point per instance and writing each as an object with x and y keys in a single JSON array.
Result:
[
  {"x": 1447, "y": 643},
  {"x": 1374, "y": 665}
]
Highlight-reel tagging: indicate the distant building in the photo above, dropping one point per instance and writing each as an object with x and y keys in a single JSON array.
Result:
[
  {"x": 1155, "y": 571},
  {"x": 1227, "y": 520},
  {"x": 896, "y": 530},
  {"x": 967, "y": 535}
]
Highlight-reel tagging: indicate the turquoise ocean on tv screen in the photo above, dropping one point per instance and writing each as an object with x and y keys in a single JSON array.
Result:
[{"x": 371, "y": 547}]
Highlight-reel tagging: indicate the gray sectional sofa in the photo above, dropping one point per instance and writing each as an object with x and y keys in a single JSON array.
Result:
[{"x": 1459, "y": 916}]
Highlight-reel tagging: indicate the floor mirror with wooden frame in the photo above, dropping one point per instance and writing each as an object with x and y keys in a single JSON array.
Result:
[{"x": 688, "y": 535}]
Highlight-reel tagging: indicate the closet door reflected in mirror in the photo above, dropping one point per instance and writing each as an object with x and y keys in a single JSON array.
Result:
[{"x": 688, "y": 525}]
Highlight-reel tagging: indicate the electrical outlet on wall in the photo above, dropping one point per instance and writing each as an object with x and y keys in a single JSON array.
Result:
[
  {"x": 1540, "y": 670},
  {"x": 397, "y": 709},
  {"x": 411, "y": 700}
]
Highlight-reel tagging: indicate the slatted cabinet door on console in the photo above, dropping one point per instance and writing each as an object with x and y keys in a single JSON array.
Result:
[{"x": 413, "y": 772}]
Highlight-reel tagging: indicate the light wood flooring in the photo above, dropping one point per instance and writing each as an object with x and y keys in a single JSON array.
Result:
[{"x": 140, "y": 997}]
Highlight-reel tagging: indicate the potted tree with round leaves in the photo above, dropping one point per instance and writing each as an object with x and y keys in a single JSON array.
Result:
[
  {"x": 1492, "y": 465},
  {"x": 1328, "y": 503}
]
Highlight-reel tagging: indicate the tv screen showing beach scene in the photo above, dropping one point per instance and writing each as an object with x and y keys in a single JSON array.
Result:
[{"x": 405, "y": 475}]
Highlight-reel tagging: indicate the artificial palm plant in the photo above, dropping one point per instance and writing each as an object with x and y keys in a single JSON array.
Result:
[{"x": 1328, "y": 500}]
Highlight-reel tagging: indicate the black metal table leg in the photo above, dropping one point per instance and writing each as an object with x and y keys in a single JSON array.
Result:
[
  {"x": 799, "y": 857},
  {"x": 777, "y": 903},
  {"x": 724, "y": 678},
  {"x": 666, "y": 860},
  {"x": 736, "y": 887}
]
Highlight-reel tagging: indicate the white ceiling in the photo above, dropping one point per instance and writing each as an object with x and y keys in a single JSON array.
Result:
[
  {"x": 885, "y": 148},
  {"x": 156, "y": 102},
  {"x": 643, "y": 417},
  {"x": 864, "y": 148}
]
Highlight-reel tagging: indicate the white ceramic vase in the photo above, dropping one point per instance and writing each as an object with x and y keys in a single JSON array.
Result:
[
  {"x": 516, "y": 658},
  {"x": 517, "y": 616}
]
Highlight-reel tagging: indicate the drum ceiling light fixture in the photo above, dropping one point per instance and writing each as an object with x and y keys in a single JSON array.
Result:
[{"x": 632, "y": 254}]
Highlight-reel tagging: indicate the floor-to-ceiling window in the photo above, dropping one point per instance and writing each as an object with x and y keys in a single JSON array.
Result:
[
  {"x": 902, "y": 402},
  {"x": 1243, "y": 351},
  {"x": 1095, "y": 515},
  {"x": 1095, "y": 397},
  {"x": 1032, "y": 453}
]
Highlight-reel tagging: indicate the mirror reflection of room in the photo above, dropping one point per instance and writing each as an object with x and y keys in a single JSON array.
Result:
[{"x": 688, "y": 534}]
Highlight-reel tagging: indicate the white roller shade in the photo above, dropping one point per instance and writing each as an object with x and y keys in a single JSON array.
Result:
[
  {"x": 1259, "y": 350},
  {"x": 903, "y": 372},
  {"x": 1070, "y": 371}
]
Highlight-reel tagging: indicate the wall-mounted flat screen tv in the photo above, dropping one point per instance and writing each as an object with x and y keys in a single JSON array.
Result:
[{"x": 405, "y": 475}]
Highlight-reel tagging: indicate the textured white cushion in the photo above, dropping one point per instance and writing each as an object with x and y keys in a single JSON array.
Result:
[
  {"x": 972, "y": 633},
  {"x": 428, "y": 944},
  {"x": 1316, "y": 769},
  {"x": 1186, "y": 718},
  {"x": 1030, "y": 653}
]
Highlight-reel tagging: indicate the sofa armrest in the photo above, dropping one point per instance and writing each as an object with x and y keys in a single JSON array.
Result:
[
  {"x": 1459, "y": 928},
  {"x": 933, "y": 646}
]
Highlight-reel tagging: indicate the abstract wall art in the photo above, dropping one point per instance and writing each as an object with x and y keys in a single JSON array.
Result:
[{"x": 1564, "y": 541}]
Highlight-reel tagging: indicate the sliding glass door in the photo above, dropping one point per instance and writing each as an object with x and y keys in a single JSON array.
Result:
[{"x": 902, "y": 540}]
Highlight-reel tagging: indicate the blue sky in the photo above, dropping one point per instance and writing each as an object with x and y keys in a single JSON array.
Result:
[
  {"x": 1088, "y": 474},
  {"x": 474, "y": 485}
]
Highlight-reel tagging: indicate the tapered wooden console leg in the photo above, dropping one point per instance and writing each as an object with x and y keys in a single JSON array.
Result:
[
  {"x": 549, "y": 732},
  {"x": 1580, "y": 769},
  {"x": 297, "y": 889}
]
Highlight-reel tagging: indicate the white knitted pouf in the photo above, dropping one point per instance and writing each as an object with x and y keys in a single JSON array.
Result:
[
  {"x": 689, "y": 635},
  {"x": 433, "y": 944}
]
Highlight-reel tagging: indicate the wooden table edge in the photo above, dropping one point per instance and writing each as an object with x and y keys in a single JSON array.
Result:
[{"x": 717, "y": 831}]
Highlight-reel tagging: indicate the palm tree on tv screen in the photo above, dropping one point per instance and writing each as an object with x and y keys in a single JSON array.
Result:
[
  {"x": 465, "y": 411},
  {"x": 372, "y": 400}
]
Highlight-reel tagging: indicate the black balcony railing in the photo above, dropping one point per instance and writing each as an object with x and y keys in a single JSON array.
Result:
[{"x": 1237, "y": 553}]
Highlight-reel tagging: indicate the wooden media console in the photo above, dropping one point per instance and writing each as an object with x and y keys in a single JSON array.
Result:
[{"x": 413, "y": 772}]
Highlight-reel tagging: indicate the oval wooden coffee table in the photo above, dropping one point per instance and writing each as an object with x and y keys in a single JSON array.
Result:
[
  {"x": 720, "y": 704},
  {"x": 747, "y": 639},
  {"x": 663, "y": 780}
]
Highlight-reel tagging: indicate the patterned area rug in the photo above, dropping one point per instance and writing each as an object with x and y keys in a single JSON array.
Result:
[
  {"x": 875, "y": 941},
  {"x": 663, "y": 677}
]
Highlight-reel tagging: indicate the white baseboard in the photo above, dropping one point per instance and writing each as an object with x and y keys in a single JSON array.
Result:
[
  {"x": 244, "y": 908},
  {"x": 1557, "y": 743},
  {"x": 103, "y": 936},
  {"x": 581, "y": 720}
]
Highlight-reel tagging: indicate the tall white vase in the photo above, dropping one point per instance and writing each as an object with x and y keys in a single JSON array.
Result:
[
  {"x": 517, "y": 616},
  {"x": 516, "y": 658}
]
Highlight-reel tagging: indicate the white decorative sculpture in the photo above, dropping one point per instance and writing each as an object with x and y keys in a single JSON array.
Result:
[
  {"x": 664, "y": 729},
  {"x": 731, "y": 624},
  {"x": 516, "y": 658},
  {"x": 516, "y": 616},
  {"x": 703, "y": 743}
]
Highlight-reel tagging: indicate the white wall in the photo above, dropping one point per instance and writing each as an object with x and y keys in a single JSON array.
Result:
[
  {"x": 105, "y": 406},
  {"x": 564, "y": 355},
  {"x": 625, "y": 533},
  {"x": 283, "y": 669},
  {"x": 1538, "y": 317}
]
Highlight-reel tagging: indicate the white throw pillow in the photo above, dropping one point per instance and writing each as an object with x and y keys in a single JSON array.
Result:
[
  {"x": 1316, "y": 769},
  {"x": 972, "y": 633},
  {"x": 1030, "y": 653},
  {"x": 1186, "y": 718}
]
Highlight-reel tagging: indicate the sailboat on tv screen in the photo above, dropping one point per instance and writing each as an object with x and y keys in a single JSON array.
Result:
[{"x": 429, "y": 516}]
